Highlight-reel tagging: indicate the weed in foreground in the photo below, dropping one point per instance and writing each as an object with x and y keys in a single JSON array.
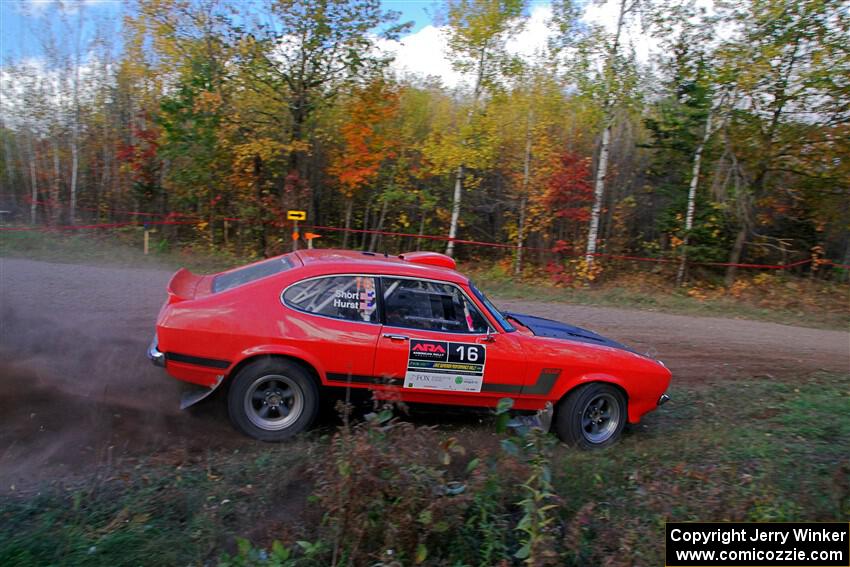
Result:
[{"x": 393, "y": 493}]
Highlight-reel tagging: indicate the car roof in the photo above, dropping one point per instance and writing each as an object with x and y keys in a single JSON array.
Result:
[{"x": 331, "y": 261}]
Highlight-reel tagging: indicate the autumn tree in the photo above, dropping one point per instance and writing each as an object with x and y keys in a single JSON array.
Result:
[
  {"x": 306, "y": 53},
  {"x": 478, "y": 31},
  {"x": 789, "y": 61},
  {"x": 611, "y": 86},
  {"x": 694, "y": 105},
  {"x": 530, "y": 138},
  {"x": 569, "y": 194},
  {"x": 190, "y": 119},
  {"x": 366, "y": 141}
]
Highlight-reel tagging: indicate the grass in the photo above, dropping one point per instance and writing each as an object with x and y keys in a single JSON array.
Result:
[
  {"x": 175, "y": 514},
  {"x": 764, "y": 450},
  {"x": 776, "y": 298},
  {"x": 759, "y": 451},
  {"x": 765, "y": 297}
]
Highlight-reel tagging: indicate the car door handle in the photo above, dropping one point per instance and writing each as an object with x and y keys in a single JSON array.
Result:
[{"x": 396, "y": 337}]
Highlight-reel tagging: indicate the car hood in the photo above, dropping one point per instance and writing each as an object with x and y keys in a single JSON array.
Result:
[{"x": 556, "y": 330}]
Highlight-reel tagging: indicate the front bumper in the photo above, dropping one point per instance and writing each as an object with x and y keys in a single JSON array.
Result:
[
  {"x": 155, "y": 356},
  {"x": 663, "y": 399}
]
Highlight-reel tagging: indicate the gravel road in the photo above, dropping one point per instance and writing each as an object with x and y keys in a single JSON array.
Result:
[{"x": 77, "y": 392}]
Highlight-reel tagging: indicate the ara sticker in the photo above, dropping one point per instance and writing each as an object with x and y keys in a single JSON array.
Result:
[{"x": 444, "y": 365}]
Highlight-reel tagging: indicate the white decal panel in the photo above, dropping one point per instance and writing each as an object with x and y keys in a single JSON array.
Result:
[{"x": 445, "y": 366}]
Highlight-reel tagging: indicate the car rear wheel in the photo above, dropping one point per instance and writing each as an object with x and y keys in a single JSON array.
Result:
[
  {"x": 591, "y": 416},
  {"x": 272, "y": 400}
]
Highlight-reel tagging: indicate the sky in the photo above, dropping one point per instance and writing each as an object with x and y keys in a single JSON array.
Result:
[
  {"x": 21, "y": 22},
  {"x": 422, "y": 51}
]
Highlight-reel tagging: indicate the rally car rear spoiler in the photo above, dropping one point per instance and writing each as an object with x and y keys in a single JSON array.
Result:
[
  {"x": 430, "y": 259},
  {"x": 184, "y": 285}
]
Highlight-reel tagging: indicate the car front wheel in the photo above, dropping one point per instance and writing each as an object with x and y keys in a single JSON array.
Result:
[
  {"x": 272, "y": 400},
  {"x": 591, "y": 416}
]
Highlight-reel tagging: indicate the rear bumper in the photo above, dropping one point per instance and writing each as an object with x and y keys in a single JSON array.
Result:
[
  {"x": 191, "y": 397},
  {"x": 156, "y": 357}
]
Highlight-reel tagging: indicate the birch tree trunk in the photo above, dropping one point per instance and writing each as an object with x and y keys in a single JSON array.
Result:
[
  {"x": 458, "y": 192},
  {"x": 692, "y": 195},
  {"x": 259, "y": 227},
  {"x": 75, "y": 134},
  {"x": 33, "y": 183},
  {"x": 72, "y": 206},
  {"x": 422, "y": 231},
  {"x": 349, "y": 204},
  {"x": 526, "y": 173},
  {"x": 735, "y": 255},
  {"x": 450, "y": 247},
  {"x": 365, "y": 226},
  {"x": 604, "y": 149},
  {"x": 380, "y": 227},
  {"x": 105, "y": 173},
  {"x": 75, "y": 113},
  {"x": 523, "y": 202},
  {"x": 54, "y": 187},
  {"x": 10, "y": 180},
  {"x": 598, "y": 196}
]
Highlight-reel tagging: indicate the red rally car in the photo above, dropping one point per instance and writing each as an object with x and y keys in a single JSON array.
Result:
[{"x": 411, "y": 328}]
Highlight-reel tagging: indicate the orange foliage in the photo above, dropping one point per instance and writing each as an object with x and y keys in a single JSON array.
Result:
[{"x": 367, "y": 142}]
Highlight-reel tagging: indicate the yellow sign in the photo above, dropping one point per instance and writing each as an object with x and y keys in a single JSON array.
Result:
[{"x": 296, "y": 215}]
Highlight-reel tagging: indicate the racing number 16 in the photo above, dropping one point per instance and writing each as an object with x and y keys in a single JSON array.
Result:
[{"x": 467, "y": 353}]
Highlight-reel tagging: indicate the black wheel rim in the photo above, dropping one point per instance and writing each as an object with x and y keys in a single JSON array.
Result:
[
  {"x": 600, "y": 418},
  {"x": 273, "y": 402}
]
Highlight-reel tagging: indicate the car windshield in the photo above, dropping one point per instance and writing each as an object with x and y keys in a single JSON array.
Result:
[{"x": 503, "y": 321}]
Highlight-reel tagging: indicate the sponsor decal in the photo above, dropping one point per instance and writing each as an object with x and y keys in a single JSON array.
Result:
[
  {"x": 445, "y": 366},
  {"x": 361, "y": 300},
  {"x": 429, "y": 347},
  {"x": 428, "y": 350}
]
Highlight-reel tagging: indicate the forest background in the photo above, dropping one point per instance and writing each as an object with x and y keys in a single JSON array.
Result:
[{"x": 727, "y": 142}]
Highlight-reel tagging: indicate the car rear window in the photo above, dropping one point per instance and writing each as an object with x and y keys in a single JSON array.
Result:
[
  {"x": 342, "y": 297},
  {"x": 251, "y": 273}
]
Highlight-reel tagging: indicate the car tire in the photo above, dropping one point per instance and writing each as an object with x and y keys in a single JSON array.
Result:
[
  {"x": 591, "y": 416},
  {"x": 273, "y": 399}
]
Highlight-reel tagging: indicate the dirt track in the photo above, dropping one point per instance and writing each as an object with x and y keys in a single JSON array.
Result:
[{"x": 76, "y": 390}]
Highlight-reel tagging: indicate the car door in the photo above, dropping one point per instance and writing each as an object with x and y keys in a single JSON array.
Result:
[
  {"x": 437, "y": 346},
  {"x": 337, "y": 321}
]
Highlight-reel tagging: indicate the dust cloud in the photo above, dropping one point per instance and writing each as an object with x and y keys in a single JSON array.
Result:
[{"x": 76, "y": 389}]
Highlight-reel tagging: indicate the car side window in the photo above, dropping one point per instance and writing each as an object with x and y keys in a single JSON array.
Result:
[
  {"x": 352, "y": 298},
  {"x": 432, "y": 306}
]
